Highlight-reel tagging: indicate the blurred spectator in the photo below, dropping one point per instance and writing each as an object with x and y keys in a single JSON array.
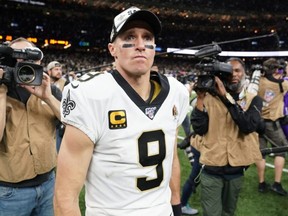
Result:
[{"x": 54, "y": 70}]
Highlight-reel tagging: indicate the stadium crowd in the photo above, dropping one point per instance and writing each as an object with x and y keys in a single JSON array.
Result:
[
  {"x": 179, "y": 66},
  {"x": 84, "y": 62},
  {"x": 206, "y": 22}
]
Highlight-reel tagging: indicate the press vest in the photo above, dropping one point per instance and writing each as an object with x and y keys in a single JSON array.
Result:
[
  {"x": 273, "y": 98},
  {"x": 224, "y": 143},
  {"x": 28, "y": 147}
]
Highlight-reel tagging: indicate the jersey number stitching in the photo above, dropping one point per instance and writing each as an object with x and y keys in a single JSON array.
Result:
[{"x": 151, "y": 160}]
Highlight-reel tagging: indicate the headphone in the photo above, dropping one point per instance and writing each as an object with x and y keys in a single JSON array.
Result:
[{"x": 270, "y": 65}]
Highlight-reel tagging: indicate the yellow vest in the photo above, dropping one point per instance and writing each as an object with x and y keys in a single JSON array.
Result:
[
  {"x": 224, "y": 144},
  {"x": 28, "y": 147}
]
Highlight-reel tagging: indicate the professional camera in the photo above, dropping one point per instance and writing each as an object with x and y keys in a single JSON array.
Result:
[
  {"x": 24, "y": 72},
  {"x": 190, "y": 77},
  {"x": 209, "y": 67},
  {"x": 256, "y": 67},
  {"x": 256, "y": 72}
]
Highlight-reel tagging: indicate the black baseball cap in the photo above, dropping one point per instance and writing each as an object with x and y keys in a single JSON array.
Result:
[{"x": 134, "y": 13}]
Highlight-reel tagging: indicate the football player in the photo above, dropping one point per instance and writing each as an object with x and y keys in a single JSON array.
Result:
[{"x": 121, "y": 130}]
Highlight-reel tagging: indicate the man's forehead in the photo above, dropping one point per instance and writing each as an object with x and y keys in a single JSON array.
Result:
[
  {"x": 235, "y": 63},
  {"x": 21, "y": 45}
]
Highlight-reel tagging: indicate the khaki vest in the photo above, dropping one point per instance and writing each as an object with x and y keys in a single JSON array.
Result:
[
  {"x": 60, "y": 83},
  {"x": 28, "y": 147},
  {"x": 224, "y": 144},
  {"x": 273, "y": 99}
]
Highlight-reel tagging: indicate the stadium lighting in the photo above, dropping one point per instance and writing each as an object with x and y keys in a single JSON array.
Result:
[{"x": 67, "y": 46}]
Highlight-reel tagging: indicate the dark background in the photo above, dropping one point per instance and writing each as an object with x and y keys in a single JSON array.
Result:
[{"x": 254, "y": 25}]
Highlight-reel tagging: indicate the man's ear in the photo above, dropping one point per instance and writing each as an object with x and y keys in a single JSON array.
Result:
[{"x": 111, "y": 49}]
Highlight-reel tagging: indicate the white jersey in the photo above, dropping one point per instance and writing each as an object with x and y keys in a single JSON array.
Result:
[{"x": 134, "y": 141}]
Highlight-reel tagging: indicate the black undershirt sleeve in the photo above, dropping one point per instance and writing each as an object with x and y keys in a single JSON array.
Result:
[
  {"x": 199, "y": 121},
  {"x": 248, "y": 121}
]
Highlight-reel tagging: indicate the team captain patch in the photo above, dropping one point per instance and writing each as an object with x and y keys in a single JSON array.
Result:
[{"x": 117, "y": 119}]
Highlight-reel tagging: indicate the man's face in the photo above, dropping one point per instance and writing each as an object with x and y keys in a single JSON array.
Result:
[
  {"x": 134, "y": 49},
  {"x": 56, "y": 72},
  {"x": 238, "y": 76}
]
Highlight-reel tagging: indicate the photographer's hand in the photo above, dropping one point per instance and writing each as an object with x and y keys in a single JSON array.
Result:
[
  {"x": 3, "y": 97},
  {"x": 44, "y": 93},
  {"x": 3, "y": 87},
  {"x": 225, "y": 97},
  {"x": 220, "y": 88},
  {"x": 200, "y": 100}
]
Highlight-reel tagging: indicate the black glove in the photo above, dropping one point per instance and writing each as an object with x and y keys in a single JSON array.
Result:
[
  {"x": 177, "y": 210},
  {"x": 186, "y": 141},
  {"x": 284, "y": 120},
  {"x": 261, "y": 127}
]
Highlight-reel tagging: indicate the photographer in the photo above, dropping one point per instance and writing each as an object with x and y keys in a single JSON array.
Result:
[
  {"x": 227, "y": 122},
  {"x": 28, "y": 114},
  {"x": 272, "y": 89}
]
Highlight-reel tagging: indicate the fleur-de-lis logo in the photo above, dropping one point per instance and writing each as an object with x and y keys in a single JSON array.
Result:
[{"x": 68, "y": 105}]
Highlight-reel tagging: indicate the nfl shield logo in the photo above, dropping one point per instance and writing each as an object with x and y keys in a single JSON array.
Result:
[
  {"x": 269, "y": 95},
  {"x": 150, "y": 112}
]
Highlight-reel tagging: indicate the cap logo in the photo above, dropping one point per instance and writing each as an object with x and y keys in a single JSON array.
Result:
[
  {"x": 128, "y": 14},
  {"x": 120, "y": 20}
]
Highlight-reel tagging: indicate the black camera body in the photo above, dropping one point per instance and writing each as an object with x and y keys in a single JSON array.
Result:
[
  {"x": 209, "y": 67},
  {"x": 26, "y": 73},
  {"x": 257, "y": 67},
  {"x": 186, "y": 79},
  {"x": 21, "y": 72}
]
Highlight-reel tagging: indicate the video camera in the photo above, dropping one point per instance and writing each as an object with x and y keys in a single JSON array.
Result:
[
  {"x": 209, "y": 67},
  {"x": 256, "y": 67},
  {"x": 256, "y": 71},
  {"x": 186, "y": 78},
  {"x": 24, "y": 72}
]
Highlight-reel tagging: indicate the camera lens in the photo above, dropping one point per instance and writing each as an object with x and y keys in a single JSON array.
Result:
[{"x": 26, "y": 74}]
